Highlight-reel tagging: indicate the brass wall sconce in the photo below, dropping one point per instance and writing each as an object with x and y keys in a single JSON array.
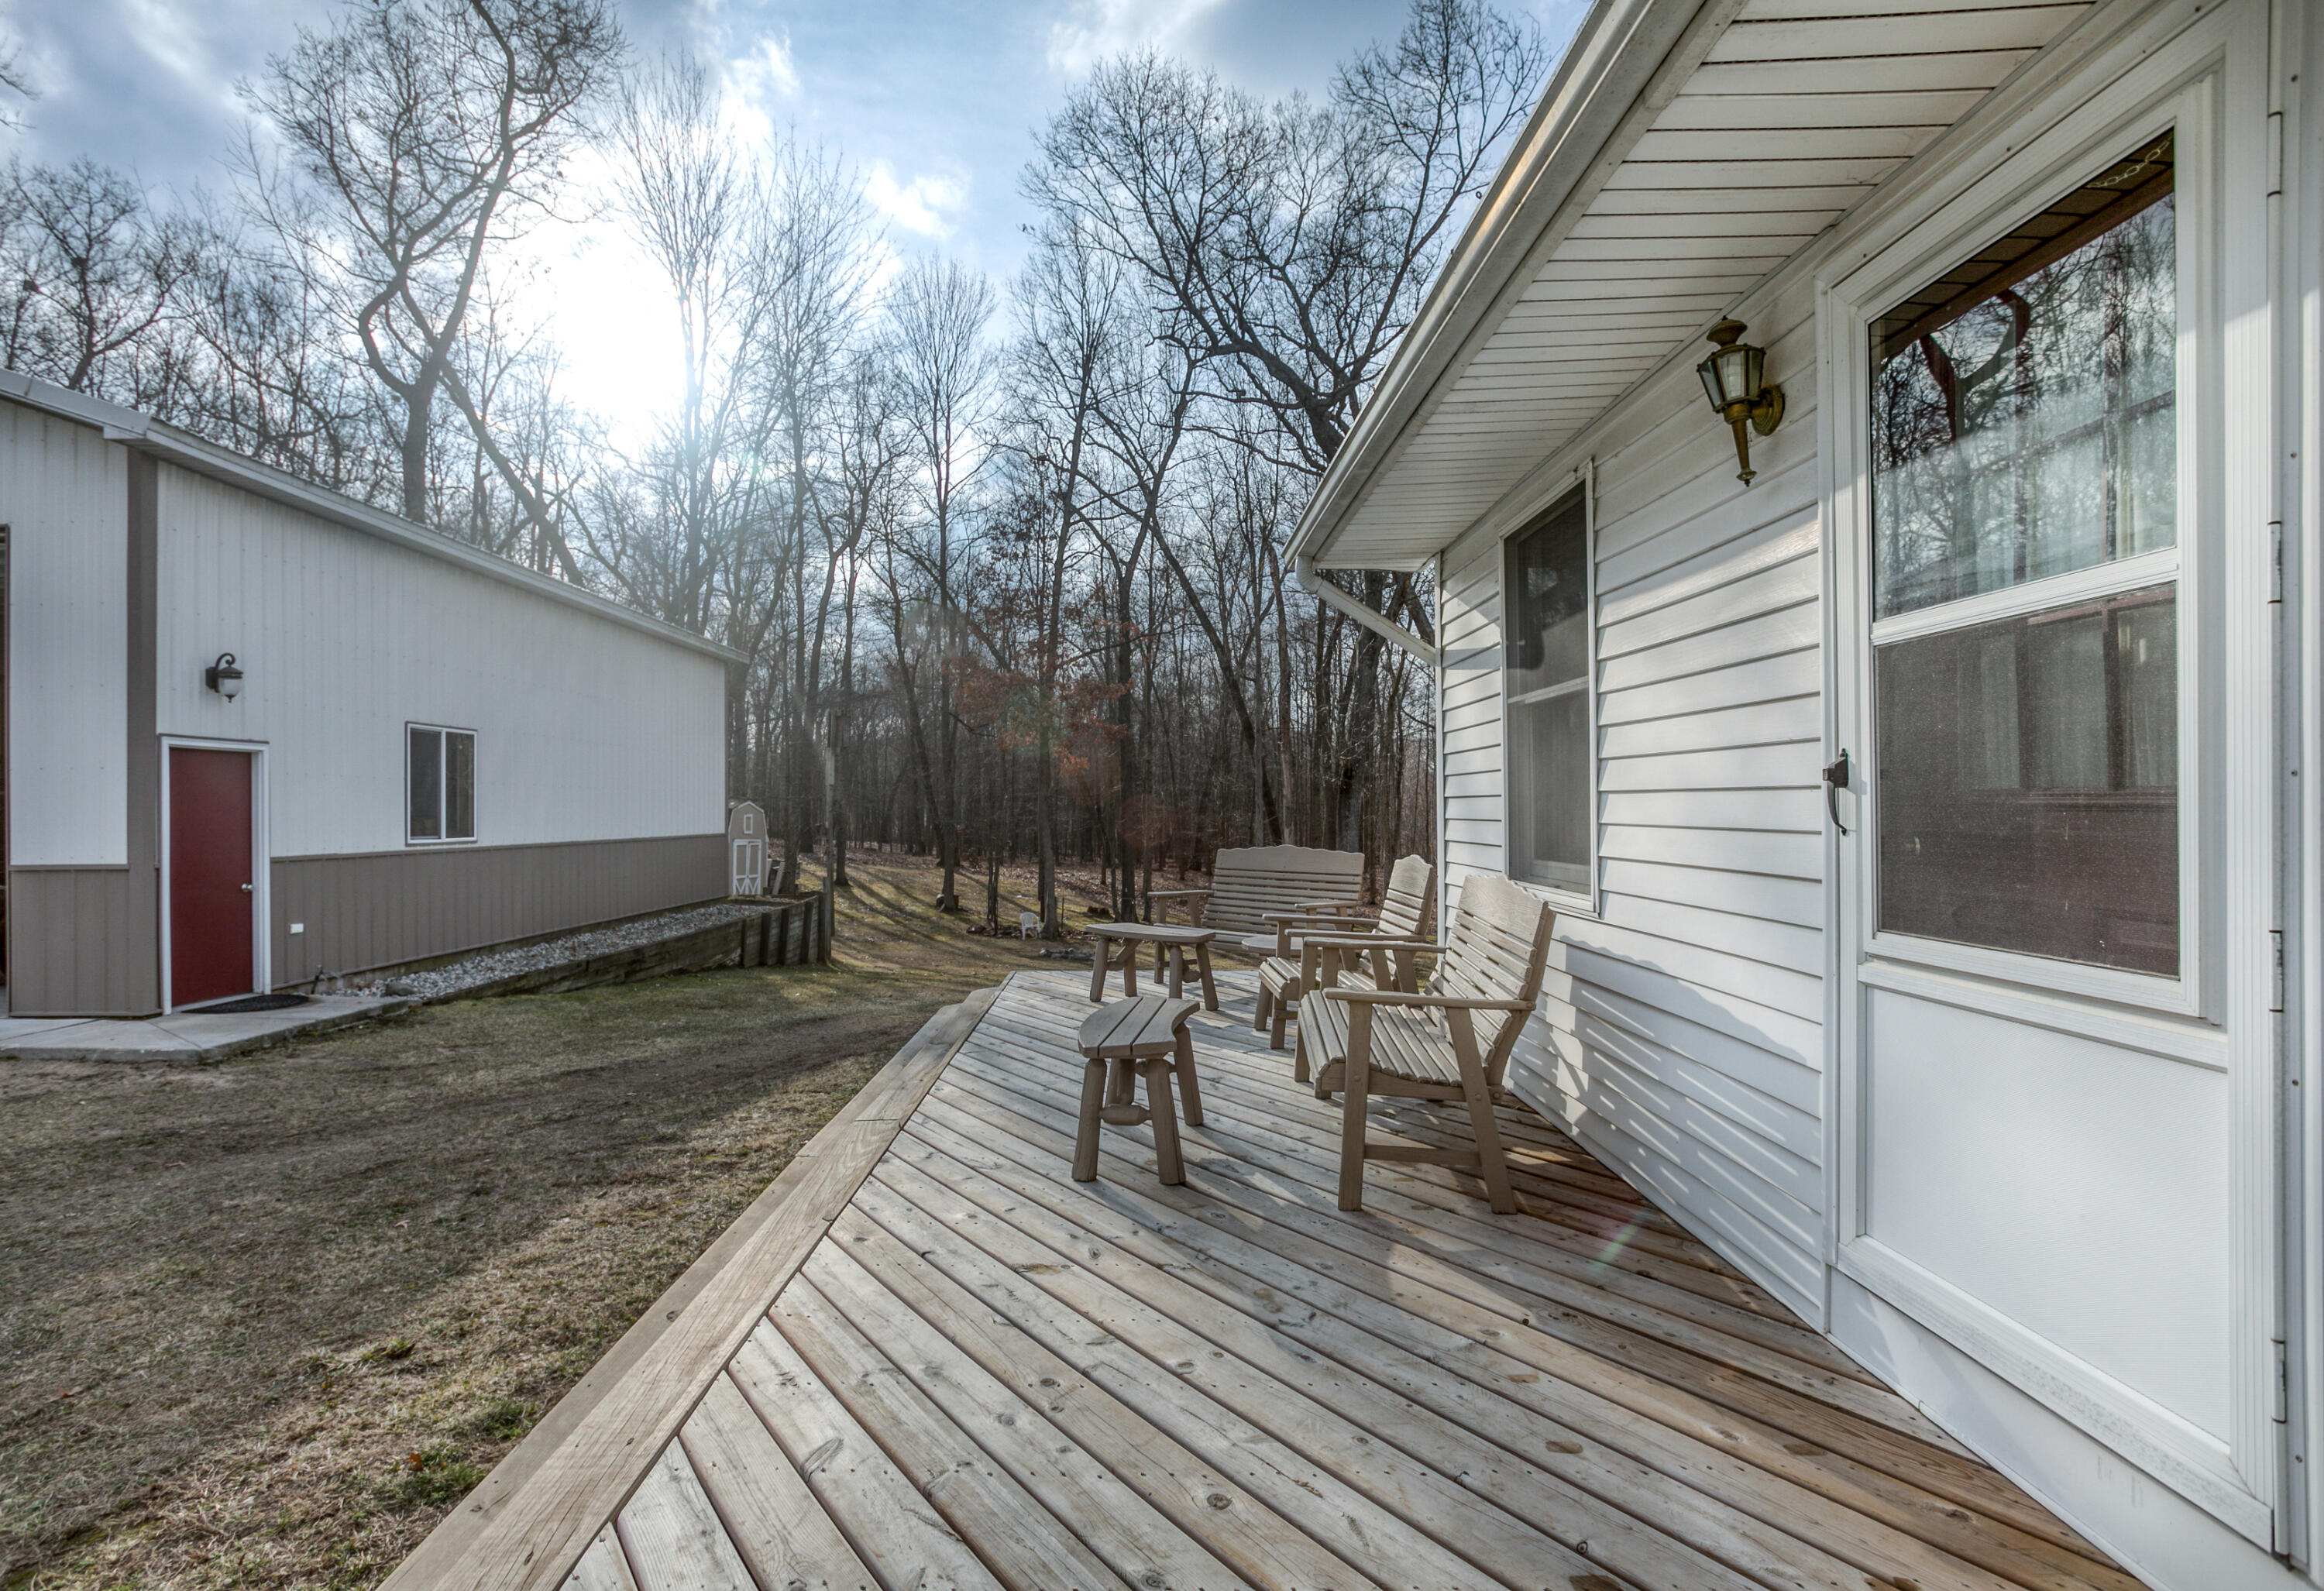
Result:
[{"x": 1731, "y": 379}]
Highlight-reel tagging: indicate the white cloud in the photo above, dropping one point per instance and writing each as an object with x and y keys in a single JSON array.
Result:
[
  {"x": 757, "y": 83},
  {"x": 766, "y": 72},
  {"x": 174, "y": 36},
  {"x": 921, "y": 205},
  {"x": 1095, "y": 30}
]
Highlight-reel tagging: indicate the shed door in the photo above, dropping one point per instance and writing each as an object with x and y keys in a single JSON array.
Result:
[
  {"x": 2036, "y": 1111},
  {"x": 213, "y": 888}
]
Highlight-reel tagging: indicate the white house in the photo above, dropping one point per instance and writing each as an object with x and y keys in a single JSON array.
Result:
[
  {"x": 1995, "y": 1056},
  {"x": 255, "y": 730}
]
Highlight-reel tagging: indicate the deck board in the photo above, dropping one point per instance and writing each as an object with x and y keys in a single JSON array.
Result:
[{"x": 985, "y": 1375}]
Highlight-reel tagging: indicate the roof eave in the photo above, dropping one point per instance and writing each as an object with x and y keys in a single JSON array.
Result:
[{"x": 1617, "y": 56}]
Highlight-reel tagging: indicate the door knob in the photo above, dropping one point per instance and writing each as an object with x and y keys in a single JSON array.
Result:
[{"x": 248, "y": 889}]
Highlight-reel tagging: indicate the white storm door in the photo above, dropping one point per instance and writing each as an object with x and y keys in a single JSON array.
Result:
[{"x": 2051, "y": 1137}]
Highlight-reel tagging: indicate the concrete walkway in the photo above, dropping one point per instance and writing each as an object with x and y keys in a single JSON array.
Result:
[{"x": 187, "y": 1035}]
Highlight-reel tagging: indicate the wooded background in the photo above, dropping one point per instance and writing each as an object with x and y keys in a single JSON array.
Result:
[{"x": 1006, "y": 560}]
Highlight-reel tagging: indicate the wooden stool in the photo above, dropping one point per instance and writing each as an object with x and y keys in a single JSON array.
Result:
[{"x": 1147, "y": 1034}]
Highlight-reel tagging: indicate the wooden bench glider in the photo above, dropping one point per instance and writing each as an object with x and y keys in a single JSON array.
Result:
[
  {"x": 1315, "y": 949},
  {"x": 1249, "y": 883},
  {"x": 1452, "y": 1042}
]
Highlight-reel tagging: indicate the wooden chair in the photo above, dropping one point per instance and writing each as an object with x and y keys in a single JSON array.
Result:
[
  {"x": 1452, "y": 1042},
  {"x": 1249, "y": 883},
  {"x": 1312, "y": 949}
]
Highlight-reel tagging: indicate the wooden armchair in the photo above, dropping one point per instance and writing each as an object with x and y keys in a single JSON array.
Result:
[
  {"x": 1333, "y": 944},
  {"x": 1452, "y": 1042}
]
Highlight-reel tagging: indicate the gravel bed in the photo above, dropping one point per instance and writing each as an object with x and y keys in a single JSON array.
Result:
[{"x": 440, "y": 982}]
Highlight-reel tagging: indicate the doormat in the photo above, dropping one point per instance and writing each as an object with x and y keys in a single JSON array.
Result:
[{"x": 269, "y": 1002}]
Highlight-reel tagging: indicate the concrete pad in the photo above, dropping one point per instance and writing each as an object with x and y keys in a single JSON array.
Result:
[
  {"x": 15, "y": 1029},
  {"x": 105, "y": 1039},
  {"x": 194, "y": 1035}
]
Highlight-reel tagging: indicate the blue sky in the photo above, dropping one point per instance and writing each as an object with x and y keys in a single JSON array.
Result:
[{"x": 936, "y": 102}]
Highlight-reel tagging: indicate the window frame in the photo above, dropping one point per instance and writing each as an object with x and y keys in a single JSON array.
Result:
[
  {"x": 1585, "y": 898},
  {"x": 442, "y": 732},
  {"x": 2189, "y": 113}
]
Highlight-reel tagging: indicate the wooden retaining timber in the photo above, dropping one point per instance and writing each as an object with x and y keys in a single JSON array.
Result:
[{"x": 790, "y": 932}]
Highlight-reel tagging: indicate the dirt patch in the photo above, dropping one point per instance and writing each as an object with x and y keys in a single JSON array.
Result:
[{"x": 267, "y": 1320}]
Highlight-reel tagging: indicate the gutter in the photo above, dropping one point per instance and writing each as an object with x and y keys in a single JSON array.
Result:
[
  {"x": 1304, "y": 570},
  {"x": 143, "y": 434}
]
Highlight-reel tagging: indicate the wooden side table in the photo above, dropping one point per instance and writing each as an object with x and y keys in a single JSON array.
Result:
[
  {"x": 1170, "y": 945},
  {"x": 1148, "y": 1034}
]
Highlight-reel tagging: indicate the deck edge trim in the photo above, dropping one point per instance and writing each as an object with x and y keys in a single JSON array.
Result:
[{"x": 513, "y": 1531}]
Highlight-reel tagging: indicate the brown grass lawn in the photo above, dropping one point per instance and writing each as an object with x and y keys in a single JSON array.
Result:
[{"x": 263, "y": 1322}]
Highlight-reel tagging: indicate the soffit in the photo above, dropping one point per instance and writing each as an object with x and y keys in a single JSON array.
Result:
[{"x": 1800, "y": 109}]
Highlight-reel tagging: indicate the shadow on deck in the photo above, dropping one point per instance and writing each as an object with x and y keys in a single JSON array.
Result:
[{"x": 977, "y": 1372}]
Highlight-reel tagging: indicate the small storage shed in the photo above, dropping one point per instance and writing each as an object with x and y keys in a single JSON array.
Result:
[
  {"x": 1929, "y": 801},
  {"x": 746, "y": 848},
  {"x": 256, "y": 729}
]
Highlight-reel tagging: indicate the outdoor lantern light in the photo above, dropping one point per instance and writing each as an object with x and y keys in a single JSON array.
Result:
[
  {"x": 223, "y": 676},
  {"x": 1731, "y": 379}
]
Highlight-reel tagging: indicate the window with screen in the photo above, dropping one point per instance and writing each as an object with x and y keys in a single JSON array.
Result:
[
  {"x": 1552, "y": 762},
  {"x": 440, "y": 784},
  {"x": 2024, "y": 429}
]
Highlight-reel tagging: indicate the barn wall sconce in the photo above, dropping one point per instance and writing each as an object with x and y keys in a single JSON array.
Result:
[
  {"x": 1732, "y": 380},
  {"x": 223, "y": 676}
]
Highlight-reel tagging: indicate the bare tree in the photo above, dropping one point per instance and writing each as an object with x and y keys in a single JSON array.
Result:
[
  {"x": 702, "y": 214},
  {"x": 14, "y": 79},
  {"x": 93, "y": 270},
  {"x": 424, "y": 135},
  {"x": 937, "y": 313},
  {"x": 1290, "y": 242},
  {"x": 267, "y": 378},
  {"x": 820, "y": 269}
]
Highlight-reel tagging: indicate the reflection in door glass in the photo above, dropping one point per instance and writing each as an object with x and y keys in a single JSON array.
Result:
[{"x": 2024, "y": 420}]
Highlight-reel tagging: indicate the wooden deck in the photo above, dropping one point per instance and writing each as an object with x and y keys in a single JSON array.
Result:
[{"x": 982, "y": 1374}]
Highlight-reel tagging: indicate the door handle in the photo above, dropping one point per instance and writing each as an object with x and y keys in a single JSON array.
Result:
[
  {"x": 249, "y": 888},
  {"x": 1835, "y": 780}
]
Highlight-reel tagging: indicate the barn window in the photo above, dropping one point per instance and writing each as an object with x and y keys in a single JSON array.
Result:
[
  {"x": 440, "y": 767},
  {"x": 2027, "y": 636},
  {"x": 1552, "y": 763}
]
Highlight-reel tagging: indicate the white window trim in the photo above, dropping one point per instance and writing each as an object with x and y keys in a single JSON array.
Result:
[
  {"x": 2199, "y": 79},
  {"x": 421, "y": 841},
  {"x": 1588, "y": 900},
  {"x": 261, "y": 863}
]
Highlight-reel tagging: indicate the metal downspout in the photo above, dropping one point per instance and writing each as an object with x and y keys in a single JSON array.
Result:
[{"x": 1324, "y": 591}]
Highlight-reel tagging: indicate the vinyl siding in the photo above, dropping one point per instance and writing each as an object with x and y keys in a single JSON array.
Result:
[{"x": 1681, "y": 1028}]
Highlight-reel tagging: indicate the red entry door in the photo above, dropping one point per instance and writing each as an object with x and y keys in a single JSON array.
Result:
[{"x": 213, "y": 888}]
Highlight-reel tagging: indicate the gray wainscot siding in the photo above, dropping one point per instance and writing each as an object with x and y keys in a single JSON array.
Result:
[
  {"x": 383, "y": 908},
  {"x": 1680, "y": 1035},
  {"x": 75, "y": 949}
]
